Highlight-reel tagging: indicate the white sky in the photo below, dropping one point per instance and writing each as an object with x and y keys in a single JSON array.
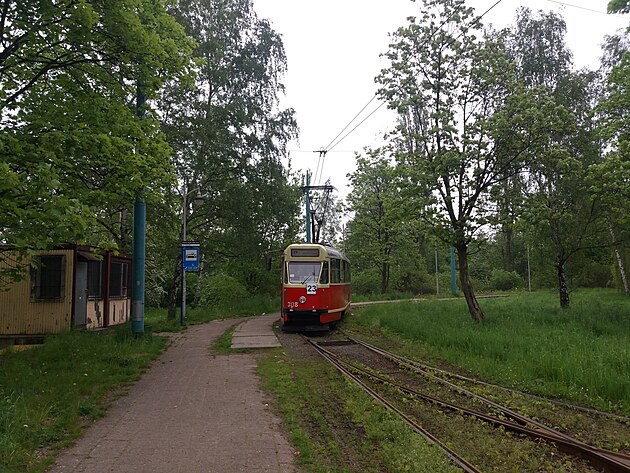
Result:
[{"x": 333, "y": 49}]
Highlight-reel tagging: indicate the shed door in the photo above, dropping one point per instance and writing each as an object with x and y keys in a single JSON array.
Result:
[{"x": 80, "y": 294}]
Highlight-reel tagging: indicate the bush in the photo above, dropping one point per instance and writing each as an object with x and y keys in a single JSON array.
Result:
[
  {"x": 221, "y": 290},
  {"x": 366, "y": 282},
  {"x": 411, "y": 281},
  {"x": 502, "y": 280}
]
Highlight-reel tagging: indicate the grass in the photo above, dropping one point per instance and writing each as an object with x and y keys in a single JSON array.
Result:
[
  {"x": 223, "y": 344},
  {"x": 527, "y": 341},
  {"x": 335, "y": 427},
  {"x": 49, "y": 393},
  {"x": 254, "y": 305}
]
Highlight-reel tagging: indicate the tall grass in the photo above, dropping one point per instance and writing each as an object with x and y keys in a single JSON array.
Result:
[
  {"x": 581, "y": 353},
  {"x": 49, "y": 392}
]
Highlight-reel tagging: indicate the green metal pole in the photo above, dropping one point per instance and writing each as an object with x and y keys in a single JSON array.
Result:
[
  {"x": 453, "y": 273},
  {"x": 308, "y": 207},
  {"x": 139, "y": 246},
  {"x": 139, "y": 241}
]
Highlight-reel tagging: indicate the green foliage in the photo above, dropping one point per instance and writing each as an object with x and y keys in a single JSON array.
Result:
[
  {"x": 618, "y": 6},
  {"x": 412, "y": 281},
  {"x": 366, "y": 282},
  {"x": 381, "y": 231},
  {"x": 505, "y": 280},
  {"x": 229, "y": 135},
  {"x": 251, "y": 305},
  {"x": 221, "y": 290},
  {"x": 73, "y": 152},
  {"x": 467, "y": 123}
]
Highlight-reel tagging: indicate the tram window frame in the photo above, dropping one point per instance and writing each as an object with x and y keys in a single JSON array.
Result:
[
  {"x": 335, "y": 271},
  {"x": 324, "y": 275}
]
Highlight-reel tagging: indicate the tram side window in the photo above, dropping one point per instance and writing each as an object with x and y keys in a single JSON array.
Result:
[
  {"x": 335, "y": 271},
  {"x": 345, "y": 271},
  {"x": 323, "y": 278}
]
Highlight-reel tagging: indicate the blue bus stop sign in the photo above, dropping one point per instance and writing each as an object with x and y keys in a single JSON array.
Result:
[{"x": 190, "y": 256}]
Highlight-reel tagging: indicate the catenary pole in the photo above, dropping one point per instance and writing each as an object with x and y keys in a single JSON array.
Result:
[
  {"x": 453, "y": 273},
  {"x": 182, "y": 313},
  {"x": 308, "y": 207},
  {"x": 139, "y": 241}
]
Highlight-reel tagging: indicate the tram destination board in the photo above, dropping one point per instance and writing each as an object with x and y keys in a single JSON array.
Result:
[{"x": 305, "y": 252}]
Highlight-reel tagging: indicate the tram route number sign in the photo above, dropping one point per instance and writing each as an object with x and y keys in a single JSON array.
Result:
[
  {"x": 311, "y": 288},
  {"x": 190, "y": 255}
]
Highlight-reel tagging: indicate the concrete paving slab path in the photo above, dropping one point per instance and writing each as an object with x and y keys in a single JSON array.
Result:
[
  {"x": 256, "y": 332},
  {"x": 191, "y": 412}
]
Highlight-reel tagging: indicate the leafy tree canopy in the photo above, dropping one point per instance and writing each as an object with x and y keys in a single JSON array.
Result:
[{"x": 71, "y": 144}]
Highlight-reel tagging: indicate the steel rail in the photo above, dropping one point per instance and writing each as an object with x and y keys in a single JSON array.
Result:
[
  {"x": 613, "y": 462},
  {"x": 588, "y": 410},
  {"x": 334, "y": 360}
]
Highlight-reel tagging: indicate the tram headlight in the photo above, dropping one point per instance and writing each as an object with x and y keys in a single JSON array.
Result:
[{"x": 302, "y": 299}]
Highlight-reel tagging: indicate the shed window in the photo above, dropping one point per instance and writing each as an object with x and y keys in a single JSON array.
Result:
[
  {"x": 94, "y": 279},
  {"x": 48, "y": 277},
  {"x": 118, "y": 279}
]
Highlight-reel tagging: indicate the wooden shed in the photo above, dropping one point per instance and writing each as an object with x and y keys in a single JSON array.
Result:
[{"x": 65, "y": 288}]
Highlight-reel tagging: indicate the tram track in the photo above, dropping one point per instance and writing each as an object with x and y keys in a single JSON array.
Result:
[{"x": 406, "y": 384}]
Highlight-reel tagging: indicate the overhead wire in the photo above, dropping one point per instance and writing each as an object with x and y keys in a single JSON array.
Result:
[
  {"x": 357, "y": 126},
  {"x": 587, "y": 9},
  {"x": 334, "y": 142},
  {"x": 330, "y": 145},
  {"x": 327, "y": 147}
]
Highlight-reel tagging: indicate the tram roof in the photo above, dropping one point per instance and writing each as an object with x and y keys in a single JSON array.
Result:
[{"x": 330, "y": 251}]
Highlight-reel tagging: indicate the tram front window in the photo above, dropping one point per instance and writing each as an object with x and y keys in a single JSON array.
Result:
[{"x": 302, "y": 272}]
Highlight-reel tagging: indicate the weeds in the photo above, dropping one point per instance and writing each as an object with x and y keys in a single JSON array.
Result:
[
  {"x": 581, "y": 353},
  {"x": 335, "y": 427}
]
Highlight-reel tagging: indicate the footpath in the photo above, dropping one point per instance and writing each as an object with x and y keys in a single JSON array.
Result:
[{"x": 191, "y": 412}]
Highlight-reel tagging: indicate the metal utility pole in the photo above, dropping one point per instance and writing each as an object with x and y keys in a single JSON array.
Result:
[
  {"x": 308, "y": 207},
  {"x": 139, "y": 241},
  {"x": 313, "y": 225},
  {"x": 453, "y": 273},
  {"x": 182, "y": 313},
  {"x": 529, "y": 273},
  {"x": 437, "y": 274}
]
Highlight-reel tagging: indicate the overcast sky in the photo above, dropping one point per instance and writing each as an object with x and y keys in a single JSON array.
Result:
[{"x": 333, "y": 49}]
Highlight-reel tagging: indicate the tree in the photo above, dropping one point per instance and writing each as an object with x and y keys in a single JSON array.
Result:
[
  {"x": 228, "y": 136},
  {"x": 619, "y": 6},
  {"x": 466, "y": 122},
  {"x": 378, "y": 225},
  {"x": 610, "y": 178},
  {"x": 71, "y": 146},
  {"x": 536, "y": 45},
  {"x": 560, "y": 211}
]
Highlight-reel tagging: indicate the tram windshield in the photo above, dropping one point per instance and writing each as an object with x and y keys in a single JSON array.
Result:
[{"x": 302, "y": 272}]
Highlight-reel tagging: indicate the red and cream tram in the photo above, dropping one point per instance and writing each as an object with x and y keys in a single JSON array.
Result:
[{"x": 315, "y": 287}]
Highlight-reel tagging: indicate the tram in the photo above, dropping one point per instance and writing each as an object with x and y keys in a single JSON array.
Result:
[{"x": 315, "y": 287}]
